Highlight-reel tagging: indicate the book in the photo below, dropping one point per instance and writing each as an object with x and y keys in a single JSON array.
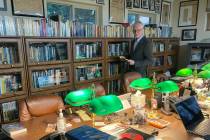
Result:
[
  {"x": 88, "y": 133},
  {"x": 13, "y": 129}
]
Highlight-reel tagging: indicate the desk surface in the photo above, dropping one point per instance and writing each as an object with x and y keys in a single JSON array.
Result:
[{"x": 36, "y": 128}]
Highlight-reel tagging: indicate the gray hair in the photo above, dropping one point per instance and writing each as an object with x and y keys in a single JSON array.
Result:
[{"x": 138, "y": 22}]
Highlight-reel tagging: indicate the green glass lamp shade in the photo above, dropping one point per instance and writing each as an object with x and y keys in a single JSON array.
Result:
[
  {"x": 141, "y": 83},
  {"x": 184, "y": 72},
  {"x": 105, "y": 105},
  {"x": 167, "y": 87},
  {"x": 204, "y": 74},
  {"x": 206, "y": 67},
  {"x": 79, "y": 97}
]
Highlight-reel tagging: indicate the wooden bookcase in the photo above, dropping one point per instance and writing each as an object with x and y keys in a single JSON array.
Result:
[{"x": 50, "y": 65}]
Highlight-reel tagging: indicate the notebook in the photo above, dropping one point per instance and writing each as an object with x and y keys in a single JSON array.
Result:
[{"x": 192, "y": 117}]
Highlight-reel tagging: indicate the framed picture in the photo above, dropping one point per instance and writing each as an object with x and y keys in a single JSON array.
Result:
[
  {"x": 100, "y": 1},
  {"x": 208, "y": 6},
  {"x": 189, "y": 34},
  {"x": 3, "y": 5},
  {"x": 165, "y": 13},
  {"x": 136, "y": 3},
  {"x": 116, "y": 11},
  {"x": 33, "y": 8},
  {"x": 158, "y": 6},
  {"x": 129, "y": 4},
  {"x": 188, "y": 12},
  {"x": 152, "y": 5},
  {"x": 145, "y": 4},
  {"x": 208, "y": 22}
]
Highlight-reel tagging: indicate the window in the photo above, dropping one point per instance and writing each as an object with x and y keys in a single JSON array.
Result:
[
  {"x": 144, "y": 18},
  {"x": 72, "y": 11}
]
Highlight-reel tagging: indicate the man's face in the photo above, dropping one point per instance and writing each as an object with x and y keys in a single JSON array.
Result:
[{"x": 138, "y": 30}]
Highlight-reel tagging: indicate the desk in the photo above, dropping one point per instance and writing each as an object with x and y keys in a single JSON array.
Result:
[{"x": 36, "y": 128}]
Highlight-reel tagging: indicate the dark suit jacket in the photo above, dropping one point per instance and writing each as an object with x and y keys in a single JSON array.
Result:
[{"x": 142, "y": 55}]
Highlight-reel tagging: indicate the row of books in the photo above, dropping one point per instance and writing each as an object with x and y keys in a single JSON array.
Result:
[
  {"x": 158, "y": 47},
  {"x": 114, "y": 68},
  {"x": 50, "y": 77},
  {"x": 25, "y": 26},
  {"x": 118, "y": 49},
  {"x": 9, "y": 111},
  {"x": 8, "y": 54},
  {"x": 10, "y": 83},
  {"x": 155, "y": 31},
  {"x": 40, "y": 52},
  {"x": 88, "y": 50},
  {"x": 114, "y": 86},
  {"x": 88, "y": 72}
]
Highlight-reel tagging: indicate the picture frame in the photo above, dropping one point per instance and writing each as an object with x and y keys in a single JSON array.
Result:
[
  {"x": 158, "y": 6},
  {"x": 100, "y": 1},
  {"x": 136, "y": 3},
  {"x": 116, "y": 11},
  {"x": 208, "y": 22},
  {"x": 165, "y": 13},
  {"x": 144, "y": 4},
  {"x": 188, "y": 12},
  {"x": 3, "y": 5},
  {"x": 32, "y": 8},
  {"x": 152, "y": 5},
  {"x": 208, "y": 6},
  {"x": 189, "y": 34},
  {"x": 129, "y": 4}
]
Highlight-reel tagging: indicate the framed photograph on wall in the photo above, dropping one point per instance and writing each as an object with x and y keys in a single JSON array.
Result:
[
  {"x": 145, "y": 4},
  {"x": 33, "y": 8},
  {"x": 3, "y": 5},
  {"x": 208, "y": 22},
  {"x": 165, "y": 13},
  {"x": 208, "y": 6},
  {"x": 189, "y": 34},
  {"x": 152, "y": 5},
  {"x": 158, "y": 6},
  {"x": 129, "y": 4},
  {"x": 136, "y": 3},
  {"x": 188, "y": 12},
  {"x": 116, "y": 11}
]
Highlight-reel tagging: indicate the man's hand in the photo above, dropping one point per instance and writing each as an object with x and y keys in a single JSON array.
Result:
[{"x": 131, "y": 62}]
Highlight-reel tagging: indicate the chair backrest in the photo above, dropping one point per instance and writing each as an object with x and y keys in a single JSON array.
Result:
[
  {"x": 128, "y": 78},
  {"x": 36, "y": 106},
  {"x": 100, "y": 91}
]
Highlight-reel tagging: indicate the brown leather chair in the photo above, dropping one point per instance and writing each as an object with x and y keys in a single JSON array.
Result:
[
  {"x": 128, "y": 78},
  {"x": 36, "y": 106},
  {"x": 100, "y": 91}
]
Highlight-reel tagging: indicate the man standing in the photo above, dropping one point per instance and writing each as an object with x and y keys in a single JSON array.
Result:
[{"x": 141, "y": 50}]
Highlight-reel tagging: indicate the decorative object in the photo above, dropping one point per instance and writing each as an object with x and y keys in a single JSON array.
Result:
[
  {"x": 158, "y": 6},
  {"x": 165, "y": 13},
  {"x": 33, "y": 8},
  {"x": 116, "y": 11},
  {"x": 129, "y": 4},
  {"x": 145, "y": 4},
  {"x": 136, "y": 3},
  {"x": 100, "y": 1},
  {"x": 3, "y": 5},
  {"x": 208, "y": 6},
  {"x": 189, "y": 34},
  {"x": 152, "y": 5},
  {"x": 188, "y": 12}
]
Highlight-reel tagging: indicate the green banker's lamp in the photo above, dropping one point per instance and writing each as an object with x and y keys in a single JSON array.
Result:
[
  {"x": 102, "y": 105},
  {"x": 165, "y": 87},
  {"x": 206, "y": 67}
]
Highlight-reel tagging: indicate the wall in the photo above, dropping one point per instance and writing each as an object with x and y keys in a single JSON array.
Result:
[
  {"x": 201, "y": 22},
  {"x": 104, "y": 16}
]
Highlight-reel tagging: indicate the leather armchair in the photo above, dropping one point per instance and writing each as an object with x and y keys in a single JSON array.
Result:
[
  {"x": 100, "y": 91},
  {"x": 128, "y": 78},
  {"x": 36, "y": 106}
]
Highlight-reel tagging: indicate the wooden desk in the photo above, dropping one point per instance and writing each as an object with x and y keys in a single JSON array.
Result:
[{"x": 36, "y": 128}]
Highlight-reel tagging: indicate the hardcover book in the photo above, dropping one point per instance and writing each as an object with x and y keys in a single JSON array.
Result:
[{"x": 13, "y": 129}]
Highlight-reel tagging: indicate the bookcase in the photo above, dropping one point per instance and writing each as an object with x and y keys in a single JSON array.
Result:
[
  {"x": 164, "y": 55},
  {"x": 12, "y": 77},
  {"x": 52, "y": 65}
]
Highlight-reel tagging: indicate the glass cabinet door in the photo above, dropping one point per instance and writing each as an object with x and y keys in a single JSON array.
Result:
[
  {"x": 120, "y": 48},
  {"x": 114, "y": 68},
  {"x": 158, "y": 47}
]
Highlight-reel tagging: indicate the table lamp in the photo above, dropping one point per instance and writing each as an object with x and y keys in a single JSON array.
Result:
[
  {"x": 206, "y": 67},
  {"x": 185, "y": 72}
]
